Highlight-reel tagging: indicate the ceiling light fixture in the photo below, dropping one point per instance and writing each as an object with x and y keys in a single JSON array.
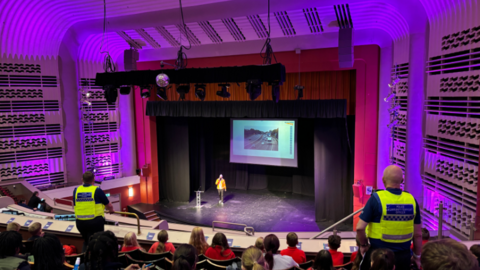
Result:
[
  {"x": 111, "y": 94},
  {"x": 162, "y": 93},
  {"x": 182, "y": 90},
  {"x": 145, "y": 91},
  {"x": 200, "y": 91},
  {"x": 275, "y": 91},
  {"x": 299, "y": 88},
  {"x": 125, "y": 90},
  {"x": 254, "y": 88},
  {"x": 224, "y": 93}
]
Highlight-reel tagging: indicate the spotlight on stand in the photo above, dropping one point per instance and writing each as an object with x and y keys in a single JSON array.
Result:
[
  {"x": 125, "y": 89},
  {"x": 162, "y": 93},
  {"x": 224, "y": 93},
  {"x": 182, "y": 90},
  {"x": 145, "y": 91},
  {"x": 200, "y": 91},
  {"x": 275, "y": 91},
  {"x": 111, "y": 94},
  {"x": 299, "y": 88},
  {"x": 254, "y": 88}
]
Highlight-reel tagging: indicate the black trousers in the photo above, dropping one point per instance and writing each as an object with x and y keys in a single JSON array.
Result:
[
  {"x": 402, "y": 260},
  {"x": 220, "y": 194},
  {"x": 87, "y": 228}
]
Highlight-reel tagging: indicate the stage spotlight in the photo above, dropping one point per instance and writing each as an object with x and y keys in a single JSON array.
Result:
[
  {"x": 182, "y": 90},
  {"x": 200, "y": 91},
  {"x": 224, "y": 93},
  {"x": 111, "y": 94},
  {"x": 299, "y": 88},
  {"x": 145, "y": 91},
  {"x": 162, "y": 93},
  {"x": 254, "y": 88},
  {"x": 275, "y": 92},
  {"x": 125, "y": 90}
]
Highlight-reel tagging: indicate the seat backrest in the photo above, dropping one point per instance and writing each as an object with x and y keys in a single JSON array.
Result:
[
  {"x": 162, "y": 263},
  {"x": 28, "y": 244},
  {"x": 201, "y": 257},
  {"x": 122, "y": 258},
  {"x": 224, "y": 263},
  {"x": 201, "y": 264},
  {"x": 306, "y": 265},
  {"x": 71, "y": 259},
  {"x": 212, "y": 266},
  {"x": 134, "y": 254},
  {"x": 155, "y": 256},
  {"x": 347, "y": 266}
]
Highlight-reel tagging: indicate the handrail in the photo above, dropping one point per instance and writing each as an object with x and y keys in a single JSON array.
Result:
[
  {"x": 55, "y": 201},
  {"x": 247, "y": 229},
  {"x": 130, "y": 214},
  {"x": 336, "y": 223}
]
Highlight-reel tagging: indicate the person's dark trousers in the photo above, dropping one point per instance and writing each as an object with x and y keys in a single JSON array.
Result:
[
  {"x": 402, "y": 260},
  {"x": 87, "y": 228},
  {"x": 220, "y": 194}
]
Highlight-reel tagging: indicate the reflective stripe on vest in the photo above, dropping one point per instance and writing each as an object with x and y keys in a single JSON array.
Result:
[
  {"x": 396, "y": 223},
  {"x": 85, "y": 207}
]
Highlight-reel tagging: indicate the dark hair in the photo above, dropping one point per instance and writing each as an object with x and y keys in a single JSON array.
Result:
[
  {"x": 23, "y": 201},
  {"x": 162, "y": 237},
  {"x": 185, "y": 258},
  {"x": 475, "y": 249},
  {"x": 271, "y": 244},
  {"x": 334, "y": 241},
  {"x": 102, "y": 247},
  {"x": 35, "y": 193},
  {"x": 10, "y": 243},
  {"x": 323, "y": 261},
  {"x": 48, "y": 253},
  {"x": 292, "y": 239},
  {"x": 382, "y": 259},
  {"x": 220, "y": 240},
  {"x": 88, "y": 177},
  {"x": 425, "y": 234}
]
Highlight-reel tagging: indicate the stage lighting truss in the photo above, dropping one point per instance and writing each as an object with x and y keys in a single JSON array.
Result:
[
  {"x": 254, "y": 88},
  {"x": 393, "y": 110},
  {"x": 200, "y": 91},
  {"x": 182, "y": 90},
  {"x": 145, "y": 91},
  {"x": 224, "y": 92},
  {"x": 299, "y": 88}
]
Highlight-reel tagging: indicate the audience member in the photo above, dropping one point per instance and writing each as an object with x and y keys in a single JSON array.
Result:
[
  {"x": 219, "y": 249},
  {"x": 34, "y": 201},
  {"x": 197, "y": 240},
  {"x": 354, "y": 254},
  {"x": 425, "y": 237},
  {"x": 475, "y": 250},
  {"x": 323, "y": 261},
  {"x": 447, "y": 254},
  {"x": 334, "y": 242},
  {"x": 162, "y": 246},
  {"x": 185, "y": 258},
  {"x": 23, "y": 203},
  {"x": 276, "y": 261},
  {"x": 130, "y": 242},
  {"x": 259, "y": 244},
  {"x": 35, "y": 230},
  {"x": 13, "y": 226},
  {"x": 252, "y": 259},
  {"x": 10, "y": 244},
  {"x": 297, "y": 255},
  {"x": 48, "y": 253},
  {"x": 382, "y": 259}
]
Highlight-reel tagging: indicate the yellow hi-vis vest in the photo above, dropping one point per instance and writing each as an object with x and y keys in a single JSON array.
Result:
[
  {"x": 396, "y": 223},
  {"x": 85, "y": 207}
]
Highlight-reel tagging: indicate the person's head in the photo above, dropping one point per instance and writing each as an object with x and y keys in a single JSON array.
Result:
[
  {"x": 334, "y": 242},
  {"x": 88, "y": 177},
  {"x": 197, "y": 240},
  {"x": 35, "y": 229},
  {"x": 220, "y": 240},
  {"x": 425, "y": 234},
  {"x": 323, "y": 261},
  {"x": 272, "y": 244},
  {"x": 292, "y": 239},
  {"x": 23, "y": 201},
  {"x": 252, "y": 259},
  {"x": 130, "y": 240},
  {"x": 382, "y": 259},
  {"x": 185, "y": 258},
  {"x": 447, "y": 254},
  {"x": 48, "y": 253},
  {"x": 221, "y": 176},
  {"x": 14, "y": 226},
  {"x": 475, "y": 250},
  {"x": 259, "y": 244},
  {"x": 10, "y": 243},
  {"x": 35, "y": 194},
  {"x": 162, "y": 238},
  {"x": 102, "y": 247},
  {"x": 392, "y": 176}
]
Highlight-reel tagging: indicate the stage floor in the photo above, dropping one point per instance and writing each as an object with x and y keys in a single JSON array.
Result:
[{"x": 265, "y": 211}]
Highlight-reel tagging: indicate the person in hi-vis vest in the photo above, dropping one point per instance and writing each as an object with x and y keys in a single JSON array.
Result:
[
  {"x": 90, "y": 203},
  {"x": 221, "y": 187},
  {"x": 391, "y": 219}
]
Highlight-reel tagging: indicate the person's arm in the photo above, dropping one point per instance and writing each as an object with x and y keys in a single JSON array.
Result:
[
  {"x": 216, "y": 182},
  {"x": 417, "y": 243},
  {"x": 109, "y": 207},
  {"x": 362, "y": 236},
  {"x": 104, "y": 200}
]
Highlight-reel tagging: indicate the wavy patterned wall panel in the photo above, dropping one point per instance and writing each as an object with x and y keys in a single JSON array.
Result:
[{"x": 31, "y": 121}]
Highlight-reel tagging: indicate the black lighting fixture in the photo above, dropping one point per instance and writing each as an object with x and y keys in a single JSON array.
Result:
[
  {"x": 254, "y": 88},
  {"x": 162, "y": 93},
  {"x": 224, "y": 92},
  {"x": 145, "y": 91},
  {"x": 182, "y": 90},
  {"x": 200, "y": 91},
  {"x": 275, "y": 91},
  {"x": 111, "y": 94},
  {"x": 299, "y": 88},
  {"x": 125, "y": 89}
]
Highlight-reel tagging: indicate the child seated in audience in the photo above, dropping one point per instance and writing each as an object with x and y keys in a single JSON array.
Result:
[
  {"x": 197, "y": 240},
  {"x": 252, "y": 259},
  {"x": 382, "y": 259},
  {"x": 220, "y": 249},
  {"x": 447, "y": 254},
  {"x": 48, "y": 253},
  {"x": 10, "y": 245},
  {"x": 475, "y": 250},
  {"x": 425, "y": 237},
  {"x": 276, "y": 261},
  {"x": 259, "y": 244},
  {"x": 14, "y": 226},
  {"x": 162, "y": 245},
  {"x": 323, "y": 261},
  {"x": 334, "y": 242},
  {"x": 130, "y": 242},
  {"x": 297, "y": 255},
  {"x": 35, "y": 230},
  {"x": 185, "y": 258}
]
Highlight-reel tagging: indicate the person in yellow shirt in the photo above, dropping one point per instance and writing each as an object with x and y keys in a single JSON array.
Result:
[{"x": 221, "y": 187}]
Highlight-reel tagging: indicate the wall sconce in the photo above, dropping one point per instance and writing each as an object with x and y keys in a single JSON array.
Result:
[{"x": 130, "y": 191}]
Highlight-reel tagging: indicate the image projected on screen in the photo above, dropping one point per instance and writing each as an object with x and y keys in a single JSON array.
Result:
[
  {"x": 261, "y": 138},
  {"x": 264, "y": 142}
]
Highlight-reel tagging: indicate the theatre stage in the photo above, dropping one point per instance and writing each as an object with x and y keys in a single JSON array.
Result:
[{"x": 265, "y": 211}]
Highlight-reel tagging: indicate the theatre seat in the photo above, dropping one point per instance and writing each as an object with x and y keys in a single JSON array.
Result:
[
  {"x": 134, "y": 254},
  {"x": 306, "y": 265},
  {"x": 346, "y": 266},
  {"x": 71, "y": 259},
  {"x": 156, "y": 256},
  {"x": 201, "y": 264},
  {"x": 225, "y": 263}
]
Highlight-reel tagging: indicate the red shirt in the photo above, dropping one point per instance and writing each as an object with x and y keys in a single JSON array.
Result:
[
  {"x": 423, "y": 243},
  {"x": 297, "y": 255},
  {"x": 217, "y": 254},
  {"x": 337, "y": 257},
  {"x": 354, "y": 255},
  {"x": 168, "y": 248},
  {"x": 125, "y": 249}
]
